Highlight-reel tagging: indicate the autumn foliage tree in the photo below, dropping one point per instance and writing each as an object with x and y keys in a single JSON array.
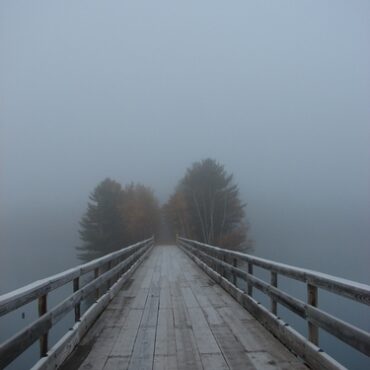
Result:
[
  {"x": 140, "y": 212},
  {"x": 206, "y": 206},
  {"x": 117, "y": 217}
]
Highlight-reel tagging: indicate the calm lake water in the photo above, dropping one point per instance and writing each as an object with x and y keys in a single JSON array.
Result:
[{"x": 39, "y": 242}]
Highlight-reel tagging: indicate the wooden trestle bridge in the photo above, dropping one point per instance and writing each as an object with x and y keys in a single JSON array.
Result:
[{"x": 188, "y": 306}]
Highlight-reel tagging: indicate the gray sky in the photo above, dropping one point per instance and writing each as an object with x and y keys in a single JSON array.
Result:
[{"x": 278, "y": 91}]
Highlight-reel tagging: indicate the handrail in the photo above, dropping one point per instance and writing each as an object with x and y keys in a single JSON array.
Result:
[
  {"x": 19, "y": 297},
  {"x": 226, "y": 265},
  {"x": 110, "y": 272},
  {"x": 351, "y": 289}
]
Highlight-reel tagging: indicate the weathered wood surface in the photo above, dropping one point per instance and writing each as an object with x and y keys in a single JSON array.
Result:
[
  {"x": 316, "y": 318},
  {"x": 313, "y": 355},
  {"x": 347, "y": 288},
  {"x": 18, "y": 343},
  {"x": 171, "y": 315},
  {"x": 17, "y": 298}
]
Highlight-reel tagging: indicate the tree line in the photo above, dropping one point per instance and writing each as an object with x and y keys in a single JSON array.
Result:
[
  {"x": 204, "y": 206},
  {"x": 117, "y": 216}
]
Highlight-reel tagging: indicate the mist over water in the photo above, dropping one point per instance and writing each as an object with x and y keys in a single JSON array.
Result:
[{"x": 138, "y": 90}]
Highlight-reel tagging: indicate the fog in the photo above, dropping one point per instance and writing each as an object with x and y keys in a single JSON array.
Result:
[
  {"x": 137, "y": 91},
  {"x": 278, "y": 92}
]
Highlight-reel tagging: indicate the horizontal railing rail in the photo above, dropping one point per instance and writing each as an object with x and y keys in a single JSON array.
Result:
[
  {"x": 110, "y": 272},
  {"x": 225, "y": 266}
]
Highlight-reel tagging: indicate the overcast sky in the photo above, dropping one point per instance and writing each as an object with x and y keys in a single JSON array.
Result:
[{"x": 278, "y": 91}]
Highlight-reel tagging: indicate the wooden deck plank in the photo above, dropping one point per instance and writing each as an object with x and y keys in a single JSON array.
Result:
[
  {"x": 126, "y": 338},
  {"x": 165, "y": 297},
  {"x": 264, "y": 360},
  {"x": 165, "y": 342},
  {"x": 214, "y": 361},
  {"x": 233, "y": 351},
  {"x": 205, "y": 340},
  {"x": 117, "y": 363},
  {"x": 143, "y": 353},
  {"x": 165, "y": 362},
  {"x": 186, "y": 350},
  {"x": 254, "y": 337},
  {"x": 170, "y": 315},
  {"x": 102, "y": 347},
  {"x": 189, "y": 298}
]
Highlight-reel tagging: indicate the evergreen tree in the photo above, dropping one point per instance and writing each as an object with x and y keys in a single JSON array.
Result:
[
  {"x": 117, "y": 217},
  {"x": 101, "y": 227}
]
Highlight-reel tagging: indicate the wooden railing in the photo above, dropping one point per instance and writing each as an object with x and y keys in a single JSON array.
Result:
[
  {"x": 109, "y": 274},
  {"x": 225, "y": 266}
]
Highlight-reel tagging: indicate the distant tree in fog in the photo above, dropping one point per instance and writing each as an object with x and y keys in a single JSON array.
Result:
[
  {"x": 101, "y": 227},
  {"x": 206, "y": 207},
  {"x": 177, "y": 214},
  {"x": 117, "y": 217},
  {"x": 140, "y": 212}
]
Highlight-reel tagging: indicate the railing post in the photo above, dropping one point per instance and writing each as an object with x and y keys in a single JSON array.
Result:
[
  {"x": 274, "y": 282},
  {"x": 235, "y": 264},
  {"x": 250, "y": 272},
  {"x": 42, "y": 306},
  {"x": 110, "y": 280},
  {"x": 76, "y": 287},
  {"x": 313, "y": 330},
  {"x": 96, "y": 275}
]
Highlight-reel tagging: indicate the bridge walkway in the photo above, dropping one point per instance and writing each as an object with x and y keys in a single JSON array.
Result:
[{"x": 171, "y": 315}]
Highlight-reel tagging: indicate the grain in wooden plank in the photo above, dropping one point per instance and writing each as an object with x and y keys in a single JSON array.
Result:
[
  {"x": 189, "y": 298},
  {"x": 165, "y": 298},
  {"x": 187, "y": 354},
  {"x": 201, "y": 297},
  {"x": 181, "y": 316},
  {"x": 204, "y": 338},
  {"x": 134, "y": 284},
  {"x": 140, "y": 299},
  {"x": 127, "y": 336},
  {"x": 238, "y": 310},
  {"x": 212, "y": 316},
  {"x": 165, "y": 362},
  {"x": 165, "y": 340},
  {"x": 231, "y": 348},
  {"x": 150, "y": 314},
  {"x": 214, "y": 298},
  {"x": 254, "y": 337},
  {"x": 264, "y": 361},
  {"x": 214, "y": 361},
  {"x": 143, "y": 352},
  {"x": 109, "y": 318},
  {"x": 117, "y": 363},
  {"x": 100, "y": 350},
  {"x": 146, "y": 281},
  {"x": 156, "y": 278}
]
